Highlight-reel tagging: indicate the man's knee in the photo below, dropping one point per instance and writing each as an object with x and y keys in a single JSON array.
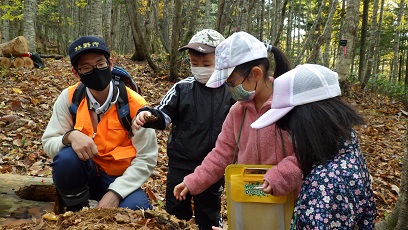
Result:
[{"x": 136, "y": 200}]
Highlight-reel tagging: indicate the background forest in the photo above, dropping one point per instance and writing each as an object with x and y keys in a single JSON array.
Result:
[{"x": 364, "y": 41}]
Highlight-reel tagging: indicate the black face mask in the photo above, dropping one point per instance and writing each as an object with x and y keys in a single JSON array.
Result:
[{"x": 97, "y": 79}]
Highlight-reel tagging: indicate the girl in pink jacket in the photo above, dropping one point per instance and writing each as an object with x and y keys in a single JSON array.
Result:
[{"x": 242, "y": 64}]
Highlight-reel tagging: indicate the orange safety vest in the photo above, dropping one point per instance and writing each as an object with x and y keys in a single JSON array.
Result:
[{"x": 115, "y": 148}]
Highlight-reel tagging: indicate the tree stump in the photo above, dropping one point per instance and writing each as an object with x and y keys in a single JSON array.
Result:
[{"x": 15, "y": 47}]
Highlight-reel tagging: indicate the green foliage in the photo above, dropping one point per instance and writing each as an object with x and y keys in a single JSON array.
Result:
[
  {"x": 397, "y": 91},
  {"x": 81, "y": 3},
  {"x": 3, "y": 72},
  {"x": 12, "y": 11},
  {"x": 48, "y": 10}
]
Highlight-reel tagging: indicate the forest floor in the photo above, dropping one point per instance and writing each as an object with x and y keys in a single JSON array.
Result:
[{"x": 26, "y": 101}]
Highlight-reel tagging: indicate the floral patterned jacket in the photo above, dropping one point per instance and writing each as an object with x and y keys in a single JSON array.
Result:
[{"x": 338, "y": 193}]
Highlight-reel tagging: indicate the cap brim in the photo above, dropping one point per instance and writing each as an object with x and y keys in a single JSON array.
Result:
[
  {"x": 198, "y": 47},
  {"x": 219, "y": 77},
  {"x": 96, "y": 50},
  {"x": 270, "y": 117}
]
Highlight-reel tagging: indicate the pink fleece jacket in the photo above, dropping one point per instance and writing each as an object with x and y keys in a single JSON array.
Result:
[{"x": 256, "y": 146}]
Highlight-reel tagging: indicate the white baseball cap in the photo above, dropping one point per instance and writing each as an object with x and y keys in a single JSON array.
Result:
[
  {"x": 204, "y": 41},
  {"x": 237, "y": 49},
  {"x": 302, "y": 85}
]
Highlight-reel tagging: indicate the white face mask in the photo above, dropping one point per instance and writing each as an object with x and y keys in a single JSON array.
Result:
[{"x": 202, "y": 74}]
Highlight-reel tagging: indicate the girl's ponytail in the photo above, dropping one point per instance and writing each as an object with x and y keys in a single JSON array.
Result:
[{"x": 282, "y": 64}]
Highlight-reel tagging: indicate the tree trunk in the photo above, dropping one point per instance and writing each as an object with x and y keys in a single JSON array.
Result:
[
  {"x": 397, "y": 36},
  {"x": 175, "y": 35},
  {"x": 377, "y": 53},
  {"x": 207, "y": 14},
  {"x": 289, "y": 28},
  {"x": 311, "y": 33},
  {"x": 161, "y": 26},
  {"x": 131, "y": 9},
  {"x": 5, "y": 29},
  {"x": 314, "y": 53},
  {"x": 348, "y": 32},
  {"x": 30, "y": 11},
  {"x": 280, "y": 23},
  {"x": 363, "y": 39},
  {"x": 141, "y": 45},
  {"x": 107, "y": 22},
  {"x": 96, "y": 18},
  {"x": 191, "y": 28},
  {"x": 370, "y": 52},
  {"x": 15, "y": 47},
  {"x": 218, "y": 21}
]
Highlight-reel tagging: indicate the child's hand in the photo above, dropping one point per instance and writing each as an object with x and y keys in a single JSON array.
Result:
[
  {"x": 180, "y": 191},
  {"x": 266, "y": 187},
  {"x": 216, "y": 228},
  {"x": 140, "y": 120}
]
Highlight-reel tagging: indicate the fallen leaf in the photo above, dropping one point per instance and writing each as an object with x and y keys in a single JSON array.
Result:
[
  {"x": 17, "y": 90},
  {"x": 9, "y": 118},
  {"x": 16, "y": 105}
]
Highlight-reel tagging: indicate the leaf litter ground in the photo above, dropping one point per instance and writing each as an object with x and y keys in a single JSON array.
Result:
[{"x": 27, "y": 97}]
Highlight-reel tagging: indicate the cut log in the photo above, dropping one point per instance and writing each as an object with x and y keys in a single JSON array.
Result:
[
  {"x": 18, "y": 62},
  {"x": 55, "y": 56},
  {"x": 15, "y": 47},
  {"x": 28, "y": 62},
  {"x": 13, "y": 209},
  {"x": 5, "y": 62}
]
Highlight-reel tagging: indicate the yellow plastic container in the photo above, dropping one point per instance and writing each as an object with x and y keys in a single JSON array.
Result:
[{"x": 249, "y": 207}]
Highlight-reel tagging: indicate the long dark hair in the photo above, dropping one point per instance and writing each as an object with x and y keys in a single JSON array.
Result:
[
  {"x": 282, "y": 64},
  {"x": 316, "y": 129}
]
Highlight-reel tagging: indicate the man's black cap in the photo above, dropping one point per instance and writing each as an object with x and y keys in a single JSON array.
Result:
[{"x": 86, "y": 44}]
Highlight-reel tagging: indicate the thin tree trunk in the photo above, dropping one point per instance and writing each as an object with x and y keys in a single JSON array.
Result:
[
  {"x": 261, "y": 20},
  {"x": 175, "y": 35},
  {"x": 281, "y": 22},
  {"x": 30, "y": 11},
  {"x": 191, "y": 28},
  {"x": 314, "y": 53},
  {"x": 406, "y": 69},
  {"x": 363, "y": 39},
  {"x": 307, "y": 43},
  {"x": 397, "y": 35},
  {"x": 377, "y": 49},
  {"x": 207, "y": 13},
  {"x": 289, "y": 38},
  {"x": 218, "y": 21},
  {"x": 5, "y": 29},
  {"x": 107, "y": 22},
  {"x": 371, "y": 47},
  {"x": 162, "y": 25}
]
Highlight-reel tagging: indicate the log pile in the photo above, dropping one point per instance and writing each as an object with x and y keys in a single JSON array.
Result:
[{"x": 14, "y": 53}]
